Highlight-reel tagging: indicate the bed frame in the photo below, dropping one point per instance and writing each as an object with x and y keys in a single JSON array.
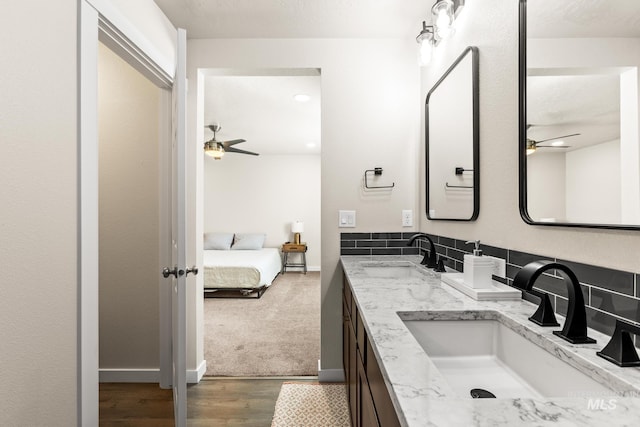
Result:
[
  {"x": 233, "y": 292},
  {"x": 240, "y": 273}
]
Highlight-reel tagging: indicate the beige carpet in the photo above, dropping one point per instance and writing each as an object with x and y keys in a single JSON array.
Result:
[
  {"x": 278, "y": 334},
  {"x": 311, "y": 405}
]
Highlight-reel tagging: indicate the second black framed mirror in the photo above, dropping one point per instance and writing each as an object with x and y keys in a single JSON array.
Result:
[{"x": 452, "y": 137}]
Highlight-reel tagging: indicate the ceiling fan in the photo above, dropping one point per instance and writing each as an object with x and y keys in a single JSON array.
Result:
[
  {"x": 532, "y": 144},
  {"x": 216, "y": 149}
]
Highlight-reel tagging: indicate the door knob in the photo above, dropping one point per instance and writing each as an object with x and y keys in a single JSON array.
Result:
[
  {"x": 166, "y": 272},
  {"x": 193, "y": 270}
]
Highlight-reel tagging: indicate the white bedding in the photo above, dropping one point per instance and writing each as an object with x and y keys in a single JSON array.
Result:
[{"x": 241, "y": 269}]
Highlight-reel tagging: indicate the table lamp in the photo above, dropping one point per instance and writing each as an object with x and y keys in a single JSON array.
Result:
[{"x": 297, "y": 227}]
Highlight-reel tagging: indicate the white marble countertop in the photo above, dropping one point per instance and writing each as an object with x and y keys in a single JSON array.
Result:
[{"x": 422, "y": 397}]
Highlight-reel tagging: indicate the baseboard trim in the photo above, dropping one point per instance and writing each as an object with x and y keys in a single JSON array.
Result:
[
  {"x": 147, "y": 375},
  {"x": 330, "y": 375},
  {"x": 194, "y": 376}
]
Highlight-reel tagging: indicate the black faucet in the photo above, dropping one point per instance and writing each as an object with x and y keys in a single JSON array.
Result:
[
  {"x": 432, "y": 260},
  {"x": 620, "y": 349},
  {"x": 575, "y": 325}
]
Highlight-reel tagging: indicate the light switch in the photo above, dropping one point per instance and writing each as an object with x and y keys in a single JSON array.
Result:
[{"x": 347, "y": 219}]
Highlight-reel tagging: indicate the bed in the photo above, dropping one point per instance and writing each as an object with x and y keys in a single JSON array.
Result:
[{"x": 246, "y": 271}]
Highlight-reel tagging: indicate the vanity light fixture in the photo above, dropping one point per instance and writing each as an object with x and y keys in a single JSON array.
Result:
[
  {"x": 443, "y": 17},
  {"x": 426, "y": 41},
  {"x": 444, "y": 13}
]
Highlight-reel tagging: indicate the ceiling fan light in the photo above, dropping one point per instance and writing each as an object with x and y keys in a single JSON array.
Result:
[
  {"x": 531, "y": 147},
  {"x": 213, "y": 149}
]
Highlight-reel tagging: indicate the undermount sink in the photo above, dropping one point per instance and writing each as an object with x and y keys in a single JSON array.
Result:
[
  {"x": 392, "y": 269},
  {"x": 488, "y": 355}
]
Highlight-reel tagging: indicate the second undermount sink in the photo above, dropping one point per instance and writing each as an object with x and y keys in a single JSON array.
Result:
[
  {"x": 488, "y": 355},
  {"x": 392, "y": 269}
]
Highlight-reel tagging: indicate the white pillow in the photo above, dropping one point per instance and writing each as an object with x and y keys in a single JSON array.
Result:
[
  {"x": 219, "y": 241},
  {"x": 251, "y": 241}
]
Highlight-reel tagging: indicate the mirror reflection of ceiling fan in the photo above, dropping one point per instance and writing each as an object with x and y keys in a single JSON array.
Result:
[
  {"x": 533, "y": 145},
  {"x": 216, "y": 149}
]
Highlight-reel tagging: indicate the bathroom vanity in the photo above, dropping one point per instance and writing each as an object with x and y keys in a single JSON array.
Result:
[{"x": 404, "y": 330}]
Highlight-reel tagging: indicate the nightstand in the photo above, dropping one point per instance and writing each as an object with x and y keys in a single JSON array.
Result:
[{"x": 289, "y": 248}]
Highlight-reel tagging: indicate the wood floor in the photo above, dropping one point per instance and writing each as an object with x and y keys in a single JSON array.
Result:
[{"x": 216, "y": 402}]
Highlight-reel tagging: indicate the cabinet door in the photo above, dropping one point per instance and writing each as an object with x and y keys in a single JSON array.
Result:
[
  {"x": 353, "y": 376},
  {"x": 345, "y": 339},
  {"x": 367, "y": 410},
  {"x": 384, "y": 406}
]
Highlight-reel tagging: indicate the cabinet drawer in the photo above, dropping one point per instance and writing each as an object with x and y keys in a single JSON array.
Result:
[{"x": 292, "y": 247}]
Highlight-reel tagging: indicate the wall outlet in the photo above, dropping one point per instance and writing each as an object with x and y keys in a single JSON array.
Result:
[
  {"x": 499, "y": 267},
  {"x": 346, "y": 219},
  {"x": 407, "y": 218}
]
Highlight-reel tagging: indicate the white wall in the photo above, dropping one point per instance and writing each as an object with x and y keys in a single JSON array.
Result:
[
  {"x": 493, "y": 27},
  {"x": 38, "y": 172},
  {"x": 39, "y": 218},
  {"x": 594, "y": 190},
  {"x": 546, "y": 195},
  {"x": 369, "y": 119},
  {"x": 629, "y": 146},
  {"x": 129, "y": 218},
  {"x": 247, "y": 194}
]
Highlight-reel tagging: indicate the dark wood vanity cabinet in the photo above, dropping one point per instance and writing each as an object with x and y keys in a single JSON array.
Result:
[{"x": 369, "y": 401}]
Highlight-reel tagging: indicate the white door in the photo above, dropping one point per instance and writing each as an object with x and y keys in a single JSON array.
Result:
[{"x": 178, "y": 271}]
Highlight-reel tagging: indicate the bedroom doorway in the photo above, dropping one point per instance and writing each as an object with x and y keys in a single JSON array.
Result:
[{"x": 277, "y": 114}]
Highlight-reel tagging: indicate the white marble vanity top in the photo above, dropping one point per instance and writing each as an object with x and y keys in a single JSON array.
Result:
[{"x": 421, "y": 395}]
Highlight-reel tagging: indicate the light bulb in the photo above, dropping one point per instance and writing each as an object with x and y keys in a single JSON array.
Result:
[
  {"x": 425, "y": 40},
  {"x": 426, "y": 50},
  {"x": 442, "y": 13}
]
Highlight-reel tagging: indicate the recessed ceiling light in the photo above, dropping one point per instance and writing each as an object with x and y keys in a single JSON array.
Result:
[
  {"x": 557, "y": 143},
  {"x": 311, "y": 144},
  {"x": 301, "y": 97}
]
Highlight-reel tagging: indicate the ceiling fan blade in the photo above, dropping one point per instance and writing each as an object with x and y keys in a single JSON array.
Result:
[
  {"x": 228, "y": 144},
  {"x": 237, "y": 150},
  {"x": 557, "y": 137},
  {"x": 553, "y": 146}
]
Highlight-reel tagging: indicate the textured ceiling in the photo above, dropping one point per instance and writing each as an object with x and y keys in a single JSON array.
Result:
[
  {"x": 262, "y": 110},
  {"x": 562, "y": 105},
  {"x": 297, "y": 18},
  {"x": 249, "y": 109},
  {"x": 587, "y": 101},
  {"x": 583, "y": 18}
]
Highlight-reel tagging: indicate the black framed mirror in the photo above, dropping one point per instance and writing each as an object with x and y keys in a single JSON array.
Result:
[
  {"x": 579, "y": 148},
  {"x": 452, "y": 139}
]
